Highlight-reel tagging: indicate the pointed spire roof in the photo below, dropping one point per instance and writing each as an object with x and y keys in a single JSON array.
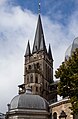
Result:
[
  {"x": 42, "y": 44},
  {"x": 28, "y": 51},
  {"x": 50, "y": 53},
  {"x": 38, "y": 36}
]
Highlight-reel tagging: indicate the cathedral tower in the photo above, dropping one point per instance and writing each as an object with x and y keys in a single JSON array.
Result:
[{"x": 38, "y": 69}]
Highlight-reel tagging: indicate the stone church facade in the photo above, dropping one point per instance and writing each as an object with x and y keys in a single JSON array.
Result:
[
  {"x": 37, "y": 98},
  {"x": 38, "y": 67}
]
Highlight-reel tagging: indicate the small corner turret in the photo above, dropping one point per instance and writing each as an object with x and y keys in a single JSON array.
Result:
[
  {"x": 50, "y": 53},
  {"x": 28, "y": 51}
]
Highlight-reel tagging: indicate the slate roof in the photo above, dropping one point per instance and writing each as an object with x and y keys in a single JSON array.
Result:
[
  {"x": 29, "y": 101},
  {"x": 2, "y": 116},
  {"x": 39, "y": 41},
  {"x": 50, "y": 53},
  {"x": 28, "y": 51}
]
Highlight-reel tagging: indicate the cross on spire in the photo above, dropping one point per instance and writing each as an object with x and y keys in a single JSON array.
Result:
[{"x": 39, "y": 6}]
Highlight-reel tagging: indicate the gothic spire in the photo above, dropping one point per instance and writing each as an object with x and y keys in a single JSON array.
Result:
[
  {"x": 28, "y": 51},
  {"x": 42, "y": 44},
  {"x": 38, "y": 36},
  {"x": 50, "y": 53}
]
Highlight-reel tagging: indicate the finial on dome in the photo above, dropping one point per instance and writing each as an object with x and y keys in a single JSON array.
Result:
[{"x": 39, "y": 6}]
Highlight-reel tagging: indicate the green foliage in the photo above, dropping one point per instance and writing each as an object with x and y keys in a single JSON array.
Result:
[{"x": 68, "y": 85}]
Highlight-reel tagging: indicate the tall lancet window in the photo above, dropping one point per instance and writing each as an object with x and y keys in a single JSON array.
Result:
[
  {"x": 36, "y": 79},
  {"x": 54, "y": 115},
  {"x": 31, "y": 78},
  {"x": 46, "y": 70},
  {"x": 27, "y": 79}
]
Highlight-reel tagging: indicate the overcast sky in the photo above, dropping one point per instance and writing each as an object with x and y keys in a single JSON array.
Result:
[{"x": 18, "y": 19}]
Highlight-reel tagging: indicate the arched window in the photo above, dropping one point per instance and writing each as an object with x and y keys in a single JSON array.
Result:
[
  {"x": 50, "y": 115},
  {"x": 27, "y": 79},
  {"x": 29, "y": 67},
  {"x": 46, "y": 85},
  {"x": 38, "y": 66},
  {"x": 31, "y": 78},
  {"x": 54, "y": 115},
  {"x": 50, "y": 73},
  {"x": 36, "y": 79},
  {"x": 46, "y": 70},
  {"x": 31, "y": 87},
  {"x": 37, "y": 89},
  {"x": 40, "y": 89}
]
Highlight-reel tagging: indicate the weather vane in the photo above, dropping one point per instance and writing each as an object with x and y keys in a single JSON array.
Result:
[{"x": 39, "y": 5}]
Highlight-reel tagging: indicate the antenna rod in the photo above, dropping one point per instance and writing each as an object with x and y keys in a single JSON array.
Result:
[{"x": 39, "y": 6}]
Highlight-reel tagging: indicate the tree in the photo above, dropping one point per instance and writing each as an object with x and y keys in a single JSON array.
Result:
[{"x": 68, "y": 85}]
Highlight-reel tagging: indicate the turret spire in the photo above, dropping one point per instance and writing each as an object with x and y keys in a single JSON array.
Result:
[
  {"x": 28, "y": 51},
  {"x": 50, "y": 53},
  {"x": 42, "y": 44}
]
